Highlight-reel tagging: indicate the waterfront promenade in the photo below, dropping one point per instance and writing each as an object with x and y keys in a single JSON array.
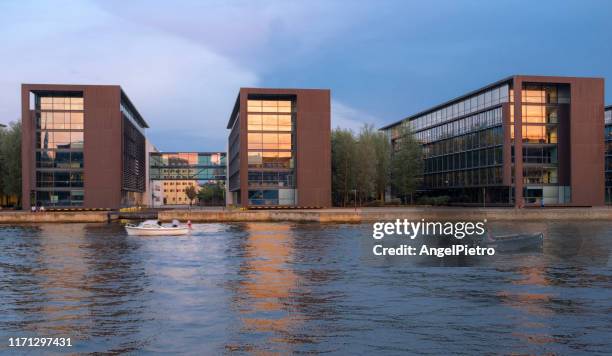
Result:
[{"x": 332, "y": 215}]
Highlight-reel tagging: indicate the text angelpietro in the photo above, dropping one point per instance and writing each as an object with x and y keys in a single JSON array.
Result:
[
  {"x": 412, "y": 229},
  {"x": 454, "y": 250}
]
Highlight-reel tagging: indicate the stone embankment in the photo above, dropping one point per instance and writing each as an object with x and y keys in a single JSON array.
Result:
[
  {"x": 336, "y": 215},
  {"x": 389, "y": 214},
  {"x": 19, "y": 217}
]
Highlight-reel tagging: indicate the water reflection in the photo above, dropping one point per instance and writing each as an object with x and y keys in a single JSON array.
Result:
[
  {"x": 72, "y": 283},
  {"x": 275, "y": 288},
  {"x": 262, "y": 295}
]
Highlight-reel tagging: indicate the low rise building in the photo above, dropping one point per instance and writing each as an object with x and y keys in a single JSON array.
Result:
[{"x": 523, "y": 140}]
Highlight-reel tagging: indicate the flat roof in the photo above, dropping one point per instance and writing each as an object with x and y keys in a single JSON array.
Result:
[
  {"x": 41, "y": 88},
  {"x": 472, "y": 93},
  {"x": 450, "y": 102},
  {"x": 139, "y": 118},
  {"x": 265, "y": 92}
]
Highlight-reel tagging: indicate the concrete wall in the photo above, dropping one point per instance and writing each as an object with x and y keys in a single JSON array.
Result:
[
  {"x": 389, "y": 214},
  {"x": 19, "y": 217}
]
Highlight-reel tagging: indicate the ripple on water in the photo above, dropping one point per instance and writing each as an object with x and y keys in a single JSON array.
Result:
[{"x": 285, "y": 287}]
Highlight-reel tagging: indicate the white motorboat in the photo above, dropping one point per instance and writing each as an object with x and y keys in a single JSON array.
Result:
[{"x": 153, "y": 228}]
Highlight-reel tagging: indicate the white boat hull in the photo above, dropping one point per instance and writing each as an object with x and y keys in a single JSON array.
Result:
[{"x": 164, "y": 231}]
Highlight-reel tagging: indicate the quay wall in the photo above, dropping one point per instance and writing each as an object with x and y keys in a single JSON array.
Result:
[
  {"x": 337, "y": 215},
  {"x": 386, "y": 214},
  {"x": 19, "y": 217}
]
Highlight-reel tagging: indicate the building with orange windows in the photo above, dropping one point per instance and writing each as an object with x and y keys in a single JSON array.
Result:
[
  {"x": 279, "y": 148},
  {"x": 523, "y": 140},
  {"x": 83, "y": 146}
]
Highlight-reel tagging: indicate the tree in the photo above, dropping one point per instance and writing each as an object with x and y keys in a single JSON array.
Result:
[
  {"x": 343, "y": 165},
  {"x": 211, "y": 194},
  {"x": 382, "y": 149},
  {"x": 10, "y": 161},
  {"x": 365, "y": 164},
  {"x": 191, "y": 193},
  {"x": 406, "y": 165}
]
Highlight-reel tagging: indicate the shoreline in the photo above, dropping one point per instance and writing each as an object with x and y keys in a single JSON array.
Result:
[{"x": 330, "y": 215}]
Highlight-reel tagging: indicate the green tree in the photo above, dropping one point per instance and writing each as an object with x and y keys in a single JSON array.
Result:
[
  {"x": 344, "y": 149},
  {"x": 10, "y": 161},
  {"x": 191, "y": 193},
  {"x": 365, "y": 164},
  {"x": 406, "y": 165},
  {"x": 382, "y": 149},
  {"x": 212, "y": 194}
]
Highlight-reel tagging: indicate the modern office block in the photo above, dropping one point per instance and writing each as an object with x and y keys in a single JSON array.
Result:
[
  {"x": 524, "y": 140},
  {"x": 172, "y": 172},
  {"x": 608, "y": 143},
  {"x": 83, "y": 146},
  {"x": 279, "y": 148}
]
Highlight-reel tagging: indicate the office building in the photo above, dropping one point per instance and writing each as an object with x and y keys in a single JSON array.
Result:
[
  {"x": 279, "y": 148},
  {"x": 172, "y": 172},
  {"x": 608, "y": 143},
  {"x": 524, "y": 140},
  {"x": 83, "y": 146}
]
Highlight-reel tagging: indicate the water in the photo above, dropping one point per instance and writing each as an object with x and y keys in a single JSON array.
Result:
[{"x": 281, "y": 288}]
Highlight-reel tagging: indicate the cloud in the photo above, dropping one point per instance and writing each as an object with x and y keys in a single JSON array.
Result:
[
  {"x": 346, "y": 117},
  {"x": 177, "y": 85},
  {"x": 246, "y": 30}
]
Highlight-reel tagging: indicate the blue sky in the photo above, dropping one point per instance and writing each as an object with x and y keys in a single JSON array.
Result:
[{"x": 182, "y": 62}]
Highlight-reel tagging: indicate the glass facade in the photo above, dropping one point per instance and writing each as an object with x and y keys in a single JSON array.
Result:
[
  {"x": 59, "y": 149},
  {"x": 462, "y": 146},
  {"x": 174, "y": 172},
  {"x": 271, "y": 152},
  {"x": 608, "y": 163},
  {"x": 541, "y": 105},
  {"x": 475, "y": 103},
  {"x": 464, "y": 152}
]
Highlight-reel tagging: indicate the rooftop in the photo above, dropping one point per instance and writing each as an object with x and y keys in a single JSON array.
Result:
[
  {"x": 42, "y": 88},
  {"x": 469, "y": 94}
]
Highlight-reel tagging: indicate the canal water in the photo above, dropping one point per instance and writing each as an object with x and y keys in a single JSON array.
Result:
[{"x": 309, "y": 288}]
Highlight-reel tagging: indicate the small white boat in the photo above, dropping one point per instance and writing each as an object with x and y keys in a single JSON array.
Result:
[{"x": 153, "y": 228}]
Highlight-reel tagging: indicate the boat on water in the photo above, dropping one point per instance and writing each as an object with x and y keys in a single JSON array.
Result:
[
  {"x": 515, "y": 242},
  {"x": 155, "y": 228}
]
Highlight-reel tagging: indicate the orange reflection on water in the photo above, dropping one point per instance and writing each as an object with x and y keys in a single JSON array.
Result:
[
  {"x": 269, "y": 281},
  {"x": 63, "y": 281},
  {"x": 530, "y": 303}
]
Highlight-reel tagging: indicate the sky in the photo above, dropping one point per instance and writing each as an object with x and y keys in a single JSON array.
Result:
[{"x": 183, "y": 62}]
